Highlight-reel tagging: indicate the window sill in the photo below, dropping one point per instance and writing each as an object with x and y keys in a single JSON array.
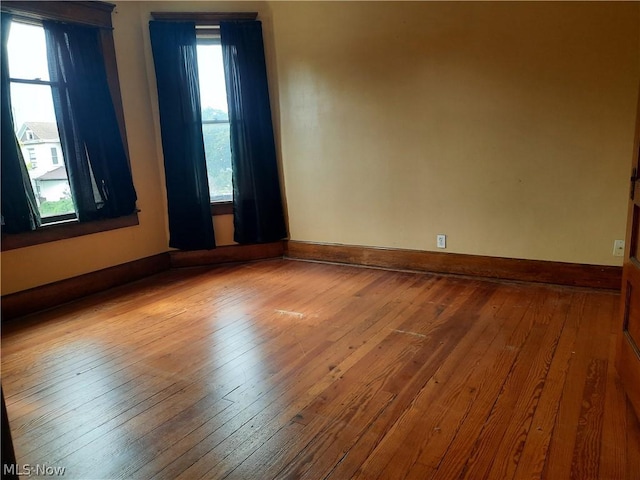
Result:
[
  {"x": 61, "y": 231},
  {"x": 222, "y": 208}
]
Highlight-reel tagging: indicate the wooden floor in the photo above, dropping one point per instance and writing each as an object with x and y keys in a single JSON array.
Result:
[{"x": 285, "y": 369}]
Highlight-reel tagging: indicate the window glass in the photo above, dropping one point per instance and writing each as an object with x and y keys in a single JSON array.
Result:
[
  {"x": 215, "y": 119},
  {"x": 31, "y": 63},
  {"x": 31, "y": 103},
  {"x": 35, "y": 121}
]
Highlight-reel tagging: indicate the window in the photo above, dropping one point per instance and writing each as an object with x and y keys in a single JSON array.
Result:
[
  {"x": 215, "y": 117},
  {"x": 32, "y": 103},
  {"x": 213, "y": 101},
  {"x": 36, "y": 83},
  {"x": 257, "y": 203},
  {"x": 32, "y": 163}
]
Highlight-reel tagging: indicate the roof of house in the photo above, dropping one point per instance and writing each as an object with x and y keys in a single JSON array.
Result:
[
  {"x": 41, "y": 130},
  {"x": 59, "y": 173}
]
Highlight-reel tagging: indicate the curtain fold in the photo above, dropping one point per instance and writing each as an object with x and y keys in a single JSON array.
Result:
[
  {"x": 175, "y": 58},
  {"x": 95, "y": 156},
  {"x": 257, "y": 200},
  {"x": 19, "y": 208}
]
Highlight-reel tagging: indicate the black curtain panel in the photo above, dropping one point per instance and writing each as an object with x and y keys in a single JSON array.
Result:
[
  {"x": 95, "y": 156},
  {"x": 257, "y": 201},
  {"x": 19, "y": 208},
  {"x": 176, "y": 64}
]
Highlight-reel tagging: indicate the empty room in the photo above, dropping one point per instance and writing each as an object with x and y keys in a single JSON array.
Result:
[{"x": 320, "y": 240}]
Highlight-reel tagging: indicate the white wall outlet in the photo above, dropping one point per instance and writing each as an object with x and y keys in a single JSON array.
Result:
[
  {"x": 441, "y": 241},
  {"x": 618, "y": 248}
]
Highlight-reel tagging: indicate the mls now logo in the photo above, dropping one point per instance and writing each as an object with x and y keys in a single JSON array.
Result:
[{"x": 27, "y": 470}]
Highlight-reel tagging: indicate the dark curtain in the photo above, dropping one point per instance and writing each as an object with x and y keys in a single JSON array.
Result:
[
  {"x": 257, "y": 201},
  {"x": 95, "y": 156},
  {"x": 176, "y": 64},
  {"x": 19, "y": 208}
]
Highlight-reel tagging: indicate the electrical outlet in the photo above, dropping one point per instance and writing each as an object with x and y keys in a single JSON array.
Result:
[
  {"x": 441, "y": 241},
  {"x": 618, "y": 248}
]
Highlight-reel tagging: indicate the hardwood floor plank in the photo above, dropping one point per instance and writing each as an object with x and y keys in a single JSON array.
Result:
[
  {"x": 424, "y": 362},
  {"x": 146, "y": 350},
  {"x": 90, "y": 383},
  {"x": 319, "y": 457},
  {"x": 402, "y": 425},
  {"x": 528, "y": 397},
  {"x": 487, "y": 389},
  {"x": 614, "y": 431},
  {"x": 442, "y": 401},
  {"x": 308, "y": 387},
  {"x": 586, "y": 455},
  {"x": 535, "y": 449},
  {"x": 333, "y": 372},
  {"x": 151, "y": 328},
  {"x": 245, "y": 405},
  {"x": 288, "y": 369},
  {"x": 591, "y": 345},
  {"x": 207, "y": 371},
  {"x": 435, "y": 404}
]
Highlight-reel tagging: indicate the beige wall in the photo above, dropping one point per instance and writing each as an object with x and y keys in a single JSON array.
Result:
[{"x": 507, "y": 126}]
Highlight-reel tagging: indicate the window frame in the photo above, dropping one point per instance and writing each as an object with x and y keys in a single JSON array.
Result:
[
  {"x": 88, "y": 13},
  {"x": 55, "y": 159},
  {"x": 33, "y": 160},
  {"x": 208, "y": 22}
]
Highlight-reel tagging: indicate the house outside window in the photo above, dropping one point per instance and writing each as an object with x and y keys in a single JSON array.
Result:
[{"x": 54, "y": 155}]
